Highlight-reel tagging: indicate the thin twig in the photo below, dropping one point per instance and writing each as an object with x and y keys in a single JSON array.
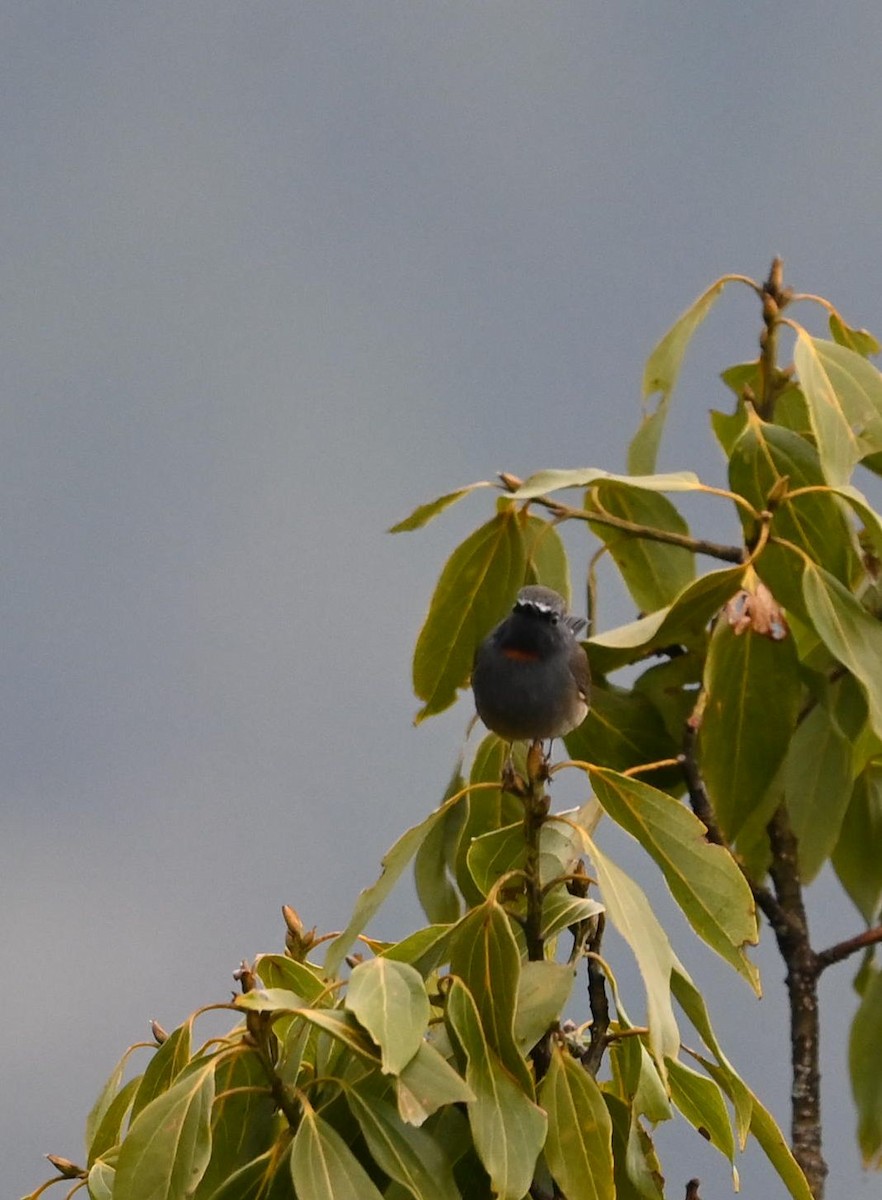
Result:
[
  {"x": 842, "y": 950},
  {"x": 599, "y": 1002}
]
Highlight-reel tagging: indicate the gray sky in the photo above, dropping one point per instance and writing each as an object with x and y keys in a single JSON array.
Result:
[{"x": 275, "y": 273}]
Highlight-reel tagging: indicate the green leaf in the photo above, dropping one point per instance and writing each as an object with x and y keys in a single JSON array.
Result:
[
  {"x": 265, "y": 1178},
  {"x": 637, "y": 1078},
  {"x": 477, "y": 587},
  {"x": 323, "y": 1167},
  {"x": 765, "y": 460},
  {"x": 543, "y": 992},
  {"x": 242, "y": 1119},
  {"x": 165, "y": 1065},
  {"x": 849, "y": 632},
  {"x": 753, "y": 698},
  {"x": 560, "y": 910},
  {"x": 692, "y": 1003},
  {"x": 859, "y": 340},
  {"x": 703, "y": 878},
  {"x": 502, "y": 851},
  {"x": 683, "y": 622},
  {"x": 817, "y": 787},
  {"x": 343, "y": 1027},
  {"x": 168, "y": 1145},
  {"x": 423, "y": 514},
  {"x": 102, "y": 1177},
  {"x": 578, "y": 1148},
  {"x": 486, "y": 808},
  {"x": 837, "y": 443},
  {"x": 389, "y": 999},
  {"x": 856, "y": 859},
  {"x": 632, "y": 915},
  {"x": 660, "y": 376},
  {"x": 372, "y": 897},
  {"x": 435, "y": 859},
  {"x": 429, "y": 1083},
  {"x": 654, "y": 573},
  {"x": 623, "y": 729},
  {"x": 280, "y": 972},
  {"x": 507, "y": 1127},
  {"x": 410, "y": 1156},
  {"x": 544, "y": 482},
  {"x": 857, "y": 385},
  {"x": 773, "y": 1142},
  {"x": 109, "y": 1132},
  {"x": 701, "y": 1102},
  {"x": 864, "y": 1056},
  {"x": 547, "y": 561},
  {"x": 637, "y": 1172},
  {"x": 423, "y": 949},
  {"x": 485, "y": 956},
  {"x": 106, "y": 1097}
]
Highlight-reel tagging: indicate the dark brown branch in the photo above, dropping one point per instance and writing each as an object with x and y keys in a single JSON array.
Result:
[
  {"x": 731, "y": 554},
  {"x": 802, "y": 990},
  {"x": 599, "y": 1002},
  {"x": 842, "y": 950}
]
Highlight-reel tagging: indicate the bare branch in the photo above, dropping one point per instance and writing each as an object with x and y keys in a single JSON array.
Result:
[{"x": 842, "y": 950}]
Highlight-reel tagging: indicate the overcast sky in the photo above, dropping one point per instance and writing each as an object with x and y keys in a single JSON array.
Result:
[{"x": 274, "y": 273}]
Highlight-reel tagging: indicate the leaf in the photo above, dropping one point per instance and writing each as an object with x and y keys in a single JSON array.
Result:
[
  {"x": 856, "y": 859},
  {"x": 101, "y": 1180},
  {"x": 541, "y": 483},
  {"x": 323, "y": 1167},
  {"x": 683, "y": 622},
  {"x": 265, "y": 1178},
  {"x": 389, "y": 999},
  {"x": 637, "y": 1077},
  {"x": 857, "y": 385},
  {"x": 428, "y": 1083},
  {"x": 578, "y": 1148},
  {"x": 773, "y": 1142},
  {"x": 372, "y": 897},
  {"x": 477, "y": 586},
  {"x": 660, "y": 376},
  {"x": 507, "y": 1127},
  {"x": 543, "y": 992},
  {"x": 836, "y": 440},
  {"x": 654, "y": 573},
  {"x": 637, "y": 1172},
  {"x": 501, "y": 851},
  {"x": 423, "y": 514},
  {"x": 817, "y": 787},
  {"x": 486, "y": 808},
  {"x": 305, "y": 980},
  {"x": 692, "y": 1003},
  {"x": 269, "y": 1000},
  {"x": 859, "y": 340},
  {"x": 485, "y": 956},
  {"x": 849, "y": 632},
  {"x": 168, "y": 1145},
  {"x": 864, "y": 1055},
  {"x": 242, "y": 1119},
  {"x": 767, "y": 460},
  {"x": 753, "y": 696},
  {"x": 547, "y": 561},
  {"x": 165, "y": 1065},
  {"x": 109, "y": 1132},
  {"x": 343, "y": 1027},
  {"x": 703, "y": 878},
  {"x": 700, "y": 1101},
  {"x": 435, "y": 859},
  {"x": 423, "y": 949},
  {"x": 623, "y": 729},
  {"x": 410, "y": 1156},
  {"x": 560, "y": 910},
  {"x": 632, "y": 915},
  {"x": 105, "y": 1098}
]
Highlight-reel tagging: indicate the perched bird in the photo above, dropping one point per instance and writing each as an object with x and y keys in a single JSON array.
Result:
[{"x": 530, "y": 677}]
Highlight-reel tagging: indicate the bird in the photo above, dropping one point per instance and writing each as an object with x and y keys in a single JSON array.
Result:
[{"x": 530, "y": 676}]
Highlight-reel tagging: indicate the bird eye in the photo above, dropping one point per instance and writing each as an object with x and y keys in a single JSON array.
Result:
[{"x": 554, "y": 618}]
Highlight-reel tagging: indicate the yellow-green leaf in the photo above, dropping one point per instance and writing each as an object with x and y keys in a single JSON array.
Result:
[
  {"x": 703, "y": 878},
  {"x": 323, "y": 1167},
  {"x": 860, "y": 340},
  {"x": 753, "y": 698},
  {"x": 543, "y": 991},
  {"x": 507, "y": 1127},
  {"x": 700, "y": 1100},
  {"x": 477, "y": 587},
  {"x": 856, "y": 859},
  {"x": 426, "y": 512},
  {"x": 837, "y": 442},
  {"x": 541, "y": 483},
  {"x": 389, "y": 999},
  {"x": 408, "y": 1155},
  {"x": 578, "y": 1149},
  {"x": 817, "y": 787},
  {"x": 168, "y": 1146},
  {"x": 660, "y": 376},
  {"x": 428, "y": 1083},
  {"x": 864, "y": 1056}
]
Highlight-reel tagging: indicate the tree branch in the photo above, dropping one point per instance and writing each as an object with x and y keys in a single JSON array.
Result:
[
  {"x": 731, "y": 554},
  {"x": 842, "y": 950}
]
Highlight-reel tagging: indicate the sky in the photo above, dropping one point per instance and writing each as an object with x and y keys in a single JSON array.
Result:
[{"x": 275, "y": 273}]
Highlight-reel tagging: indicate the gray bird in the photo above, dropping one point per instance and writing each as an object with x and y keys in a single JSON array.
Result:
[{"x": 530, "y": 677}]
